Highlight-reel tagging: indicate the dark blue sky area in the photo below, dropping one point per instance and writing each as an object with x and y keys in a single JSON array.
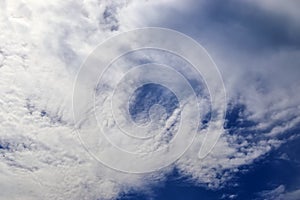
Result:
[{"x": 280, "y": 167}]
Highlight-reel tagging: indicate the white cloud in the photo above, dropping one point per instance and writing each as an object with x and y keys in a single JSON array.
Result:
[
  {"x": 280, "y": 193},
  {"x": 42, "y": 45}
]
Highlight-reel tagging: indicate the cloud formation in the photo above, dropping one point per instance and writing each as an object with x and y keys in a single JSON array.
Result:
[{"x": 42, "y": 44}]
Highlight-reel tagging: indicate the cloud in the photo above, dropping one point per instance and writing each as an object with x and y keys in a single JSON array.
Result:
[
  {"x": 279, "y": 193},
  {"x": 42, "y": 45},
  {"x": 256, "y": 48}
]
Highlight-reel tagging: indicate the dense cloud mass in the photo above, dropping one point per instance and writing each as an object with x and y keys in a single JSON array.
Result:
[{"x": 255, "y": 44}]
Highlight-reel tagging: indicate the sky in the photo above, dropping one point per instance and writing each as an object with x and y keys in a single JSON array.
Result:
[{"x": 50, "y": 53}]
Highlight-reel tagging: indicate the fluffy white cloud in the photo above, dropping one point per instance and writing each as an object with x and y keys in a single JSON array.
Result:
[{"x": 42, "y": 46}]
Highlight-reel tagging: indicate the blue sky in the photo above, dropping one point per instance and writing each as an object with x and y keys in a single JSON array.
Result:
[
  {"x": 280, "y": 168},
  {"x": 244, "y": 38}
]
